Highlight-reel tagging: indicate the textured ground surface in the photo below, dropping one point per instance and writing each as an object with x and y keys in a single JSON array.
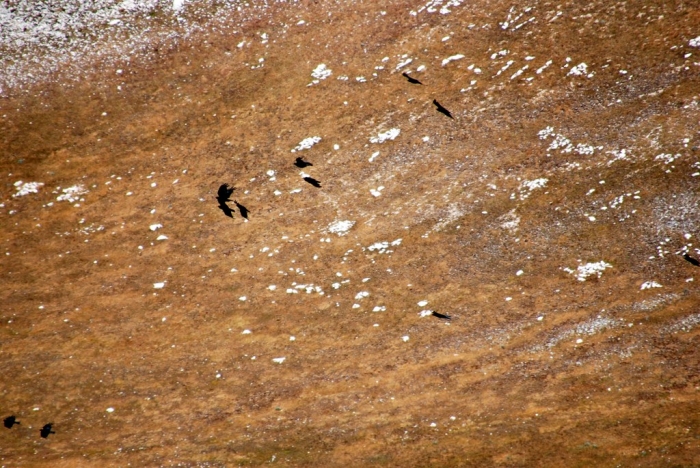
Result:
[{"x": 548, "y": 218}]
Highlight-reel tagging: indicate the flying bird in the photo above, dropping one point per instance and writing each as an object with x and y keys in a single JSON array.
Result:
[
  {"x": 301, "y": 163},
  {"x": 46, "y": 430},
  {"x": 411, "y": 80},
  {"x": 441, "y": 316},
  {"x": 224, "y": 193},
  {"x": 244, "y": 210},
  {"x": 313, "y": 181},
  {"x": 10, "y": 421},
  {"x": 441, "y": 109},
  {"x": 693, "y": 261},
  {"x": 222, "y": 197}
]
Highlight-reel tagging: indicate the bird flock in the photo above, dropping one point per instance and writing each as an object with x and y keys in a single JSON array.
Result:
[
  {"x": 10, "y": 421},
  {"x": 225, "y": 191},
  {"x": 223, "y": 198}
]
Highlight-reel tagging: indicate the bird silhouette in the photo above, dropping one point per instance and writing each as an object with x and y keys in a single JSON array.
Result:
[
  {"x": 411, "y": 80},
  {"x": 10, "y": 421},
  {"x": 441, "y": 316},
  {"x": 222, "y": 197},
  {"x": 691, "y": 260},
  {"x": 441, "y": 109},
  {"x": 301, "y": 163},
  {"x": 46, "y": 430},
  {"x": 243, "y": 209},
  {"x": 224, "y": 193},
  {"x": 225, "y": 208},
  {"x": 313, "y": 181}
]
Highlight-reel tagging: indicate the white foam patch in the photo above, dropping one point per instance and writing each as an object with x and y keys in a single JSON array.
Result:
[
  {"x": 340, "y": 227},
  {"x": 383, "y": 247},
  {"x": 376, "y": 192},
  {"x": 25, "y": 188},
  {"x": 384, "y": 136},
  {"x": 578, "y": 70},
  {"x": 403, "y": 63},
  {"x": 306, "y": 143},
  {"x": 527, "y": 186},
  {"x": 321, "y": 72},
  {"x": 452, "y": 58},
  {"x": 589, "y": 269},
  {"x": 54, "y": 41},
  {"x": 72, "y": 194},
  {"x": 380, "y": 246},
  {"x": 441, "y": 6}
]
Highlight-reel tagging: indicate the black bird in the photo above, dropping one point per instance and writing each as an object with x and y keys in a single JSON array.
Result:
[
  {"x": 411, "y": 80},
  {"x": 244, "y": 210},
  {"x": 46, "y": 430},
  {"x": 441, "y": 316},
  {"x": 693, "y": 261},
  {"x": 224, "y": 193},
  {"x": 313, "y": 181},
  {"x": 222, "y": 197},
  {"x": 301, "y": 163},
  {"x": 441, "y": 109},
  {"x": 10, "y": 421}
]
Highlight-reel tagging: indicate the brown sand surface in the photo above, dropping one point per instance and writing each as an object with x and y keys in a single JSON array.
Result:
[{"x": 549, "y": 219}]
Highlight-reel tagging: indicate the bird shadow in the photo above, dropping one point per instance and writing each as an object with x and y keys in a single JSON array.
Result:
[
  {"x": 691, "y": 260},
  {"x": 313, "y": 181},
  {"x": 441, "y": 316},
  {"x": 244, "y": 211},
  {"x": 225, "y": 208},
  {"x": 410, "y": 79},
  {"x": 442, "y": 110}
]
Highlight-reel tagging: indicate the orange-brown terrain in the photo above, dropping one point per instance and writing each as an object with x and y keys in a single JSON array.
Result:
[{"x": 555, "y": 218}]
